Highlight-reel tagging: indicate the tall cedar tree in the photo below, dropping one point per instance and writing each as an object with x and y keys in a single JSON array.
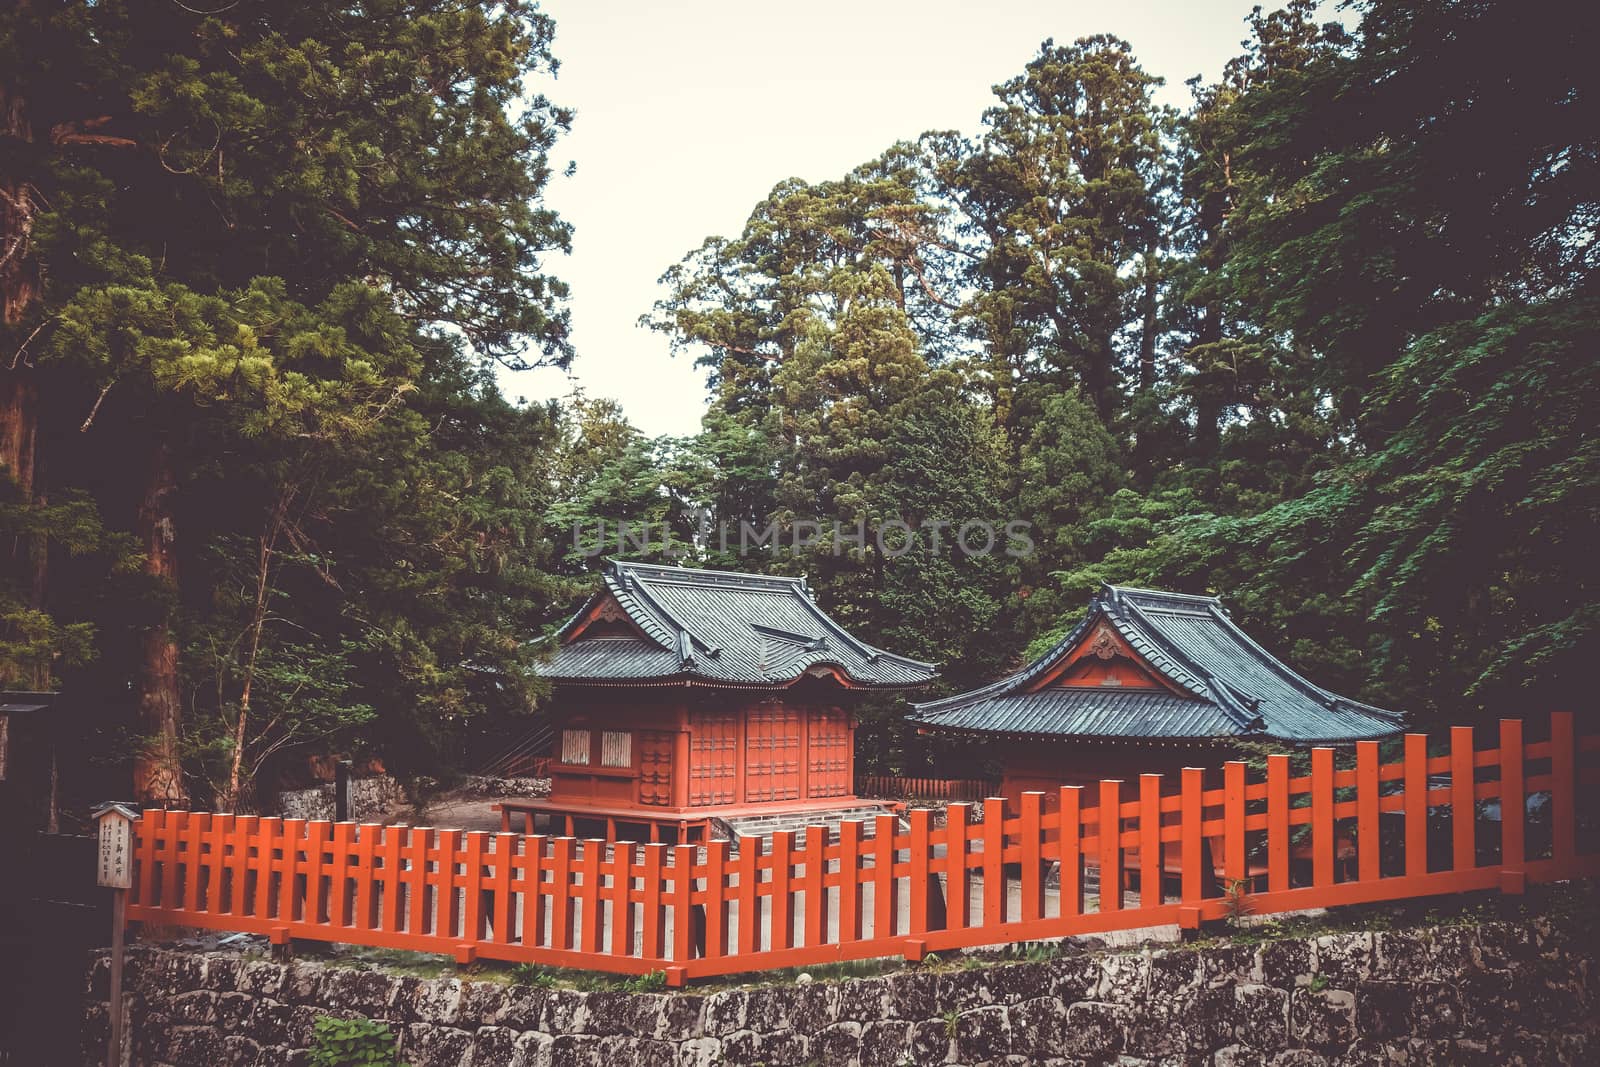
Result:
[{"x": 282, "y": 216}]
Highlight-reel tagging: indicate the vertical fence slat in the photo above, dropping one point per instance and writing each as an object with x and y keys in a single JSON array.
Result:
[
  {"x": 1233, "y": 850},
  {"x": 650, "y": 924},
  {"x": 1277, "y": 822},
  {"x": 683, "y": 902},
  {"x": 444, "y": 893},
  {"x": 561, "y": 893},
  {"x": 1190, "y": 831},
  {"x": 749, "y": 902},
  {"x": 1109, "y": 834},
  {"x": 417, "y": 915},
  {"x": 217, "y": 862},
  {"x": 816, "y": 917},
  {"x": 266, "y": 840},
  {"x": 1463, "y": 807},
  {"x": 1563, "y": 802},
  {"x": 1416, "y": 801},
  {"x": 957, "y": 896},
  {"x": 1322, "y": 816},
  {"x": 1149, "y": 840},
  {"x": 716, "y": 899},
  {"x": 1029, "y": 836},
  {"x": 994, "y": 876},
  {"x": 505, "y": 846},
  {"x": 194, "y": 862},
  {"x": 294, "y": 831},
  {"x": 534, "y": 905},
  {"x": 1513, "y": 796},
  {"x": 1367, "y": 839},
  {"x": 472, "y": 887},
  {"x": 922, "y": 878},
  {"x": 394, "y": 841},
  {"x": 172, "y": 828},
  {"x": 589, "y": 927},
  {"x": 781, "y": 907},
  {"x": 338, "y": 872},
  {"x": 884, "y": 896},
  {"x": 621, "y": 902},
  {"x": 148, "y": 829},
  {"x": 315, "y": 868},
  {"x": 366, "y": 881},
  {"x": 1071, "y": 875},
  {"x": 850, "y": 880}
]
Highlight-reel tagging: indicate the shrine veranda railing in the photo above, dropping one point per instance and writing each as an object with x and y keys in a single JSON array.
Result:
[{"x": 988, "y": 876}]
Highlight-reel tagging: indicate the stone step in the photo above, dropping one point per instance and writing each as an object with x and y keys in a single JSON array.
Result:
[{"x": 765, "y": 825}]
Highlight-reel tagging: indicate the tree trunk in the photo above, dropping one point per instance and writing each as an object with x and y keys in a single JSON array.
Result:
[
  {"x": 19, "y": 394},
  {"x": 158, "y": 772},
  {"x": 1147, "y": 338}
]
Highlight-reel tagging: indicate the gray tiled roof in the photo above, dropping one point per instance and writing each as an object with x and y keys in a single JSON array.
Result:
[
  {"x": 1226, "y": 685},
  {"x": 720, "y": 627}
]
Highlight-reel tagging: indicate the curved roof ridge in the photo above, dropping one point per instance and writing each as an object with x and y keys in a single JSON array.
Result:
[
  {"x": 1294, "y": 677},
  {"x": 642, "y": 590}
]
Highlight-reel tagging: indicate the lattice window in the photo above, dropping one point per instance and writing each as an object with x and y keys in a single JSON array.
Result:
[
  {"x": 574, "y": 746},
  {"x": 616, "y": 748}
]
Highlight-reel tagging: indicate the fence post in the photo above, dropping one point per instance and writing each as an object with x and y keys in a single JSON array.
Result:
[
  {"x": 1322, "y": 816},
  {"x": 621, "y": 902},
  {"x": 1150, "y": 871},
  {"x": 885, "y": 898},
  {"x": 560, "y": 893},
  {"x": 716, "y": 943},
  {"x": 1190, "y": 833},
  {"x": 816, "y": 917},
  {"x": 654, "y": 947},
  {"x": 1563, "y": 816},
  {"x": 781, "y": 915},
  {"x": 1233, "y": 851},
  {"x": 683, "y": 902},
  {"x": 1277, "y": 822},
  {"x": 957, "y": 896},
  {"x": 1416, "y": 801},
  {"x": 850, "y": 878},
  {"x": 994, "y": 874},
  {"x": 1368, "y": 865},
  {"x": 1030, "y": 836},
  {"x": 749, "y": 901},
  {"x": 1463, "y": 807},
  {"x": 589, "y": 926},
  {"x": 1070, "y": 890},
  {"x": 1513, "y": 807},
  {"x": 417, "y": 917},
  {"x": 505, "y": 847},
  {"x": 1109, "y": 836}
]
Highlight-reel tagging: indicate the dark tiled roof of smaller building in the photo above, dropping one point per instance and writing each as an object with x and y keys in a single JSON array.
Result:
[
  {"x": 1221, "y": 684},
  {"x": 719, "y": 628}
]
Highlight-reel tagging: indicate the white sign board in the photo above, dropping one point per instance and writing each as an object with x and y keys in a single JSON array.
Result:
[{"x": 114, "y": 866}]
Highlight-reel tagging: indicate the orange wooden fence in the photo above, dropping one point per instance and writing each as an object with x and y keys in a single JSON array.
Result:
[
  {"x": 882, "y": 785},
  {"x": 890, "y": 888}
]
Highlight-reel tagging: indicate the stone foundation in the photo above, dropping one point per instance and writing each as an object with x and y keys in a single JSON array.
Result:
[
  {"x": 369, "y": 798},
  {"x": 1500, "y": 992}
]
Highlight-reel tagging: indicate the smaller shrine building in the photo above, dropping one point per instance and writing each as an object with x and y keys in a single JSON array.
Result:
[
  {"x": 685, "y": 696},
  {"x": 1146, "y": 682}
]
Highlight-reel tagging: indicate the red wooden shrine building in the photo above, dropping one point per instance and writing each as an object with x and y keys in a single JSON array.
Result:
[
  {"x": 1147, "y": 682},
  {"x": 684, "y": 696}
]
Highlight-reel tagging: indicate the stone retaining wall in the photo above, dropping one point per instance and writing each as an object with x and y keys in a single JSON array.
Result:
[{"x": 1494, "y": 993}]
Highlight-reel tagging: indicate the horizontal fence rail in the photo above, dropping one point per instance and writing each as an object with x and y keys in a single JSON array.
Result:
[
  {"x": 946, "y": 789},
  {"x": 1118, "y": 855}
]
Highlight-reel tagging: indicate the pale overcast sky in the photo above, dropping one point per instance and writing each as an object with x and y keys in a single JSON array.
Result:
[{"x": 688, "y": 113}]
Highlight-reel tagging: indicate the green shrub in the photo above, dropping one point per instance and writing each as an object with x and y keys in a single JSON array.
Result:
[{"x": 352, "y": 1043}]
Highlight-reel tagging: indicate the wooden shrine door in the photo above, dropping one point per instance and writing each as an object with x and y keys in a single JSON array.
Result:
[
  {"x": 828, "y": 754},
  {"x": 655, "y": 768},
  {"x": 713, "y": 758},
  {"x": 772, "y": 755}
]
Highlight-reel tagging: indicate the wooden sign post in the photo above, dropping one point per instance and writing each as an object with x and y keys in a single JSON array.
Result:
[{"x": 114, "y": 870}]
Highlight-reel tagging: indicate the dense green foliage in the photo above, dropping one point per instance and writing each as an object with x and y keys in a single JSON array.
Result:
[
  {"x": 266, "y": 258},
  {"x": 1324, "y": 343}
]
